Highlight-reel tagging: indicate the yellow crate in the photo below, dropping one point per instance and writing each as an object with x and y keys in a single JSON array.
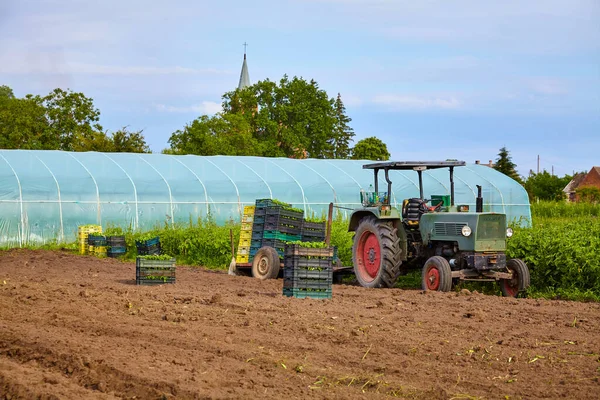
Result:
[
  {"x": 247, "y": 226},
  {"x": 244, "y": 242},
  {"x": 245, "y": 235},
  {"x": 100, "y": 251},
  {"x": 243, "y": 251},
  {"x": 248, "y": 218},
  {"x": 84, "y": 230},
  {"x": 249, "y": 210},
  {"x": 242, "y": 259},
  {"x": 83, "y": 249}
]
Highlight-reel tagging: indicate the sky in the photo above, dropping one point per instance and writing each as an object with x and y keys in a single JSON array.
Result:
[{"x": 434, "y": 79}]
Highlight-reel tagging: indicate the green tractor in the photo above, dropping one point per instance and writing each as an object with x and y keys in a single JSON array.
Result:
[{"x": 449, "y": 243}]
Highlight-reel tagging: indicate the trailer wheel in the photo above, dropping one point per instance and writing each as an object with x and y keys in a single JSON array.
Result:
[
  {"x": 520, "y": 280},
  {"x": 266, "y": 263},
  {"x": 437, "y": 275},
  {"x": 376, "y": 253}
]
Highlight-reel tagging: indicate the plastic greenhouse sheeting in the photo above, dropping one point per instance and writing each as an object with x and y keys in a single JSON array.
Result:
[{"x": 46, "y": 195}]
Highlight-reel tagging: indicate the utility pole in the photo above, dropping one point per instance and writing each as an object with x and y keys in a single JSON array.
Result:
[
  {"x": 553, "y": 170},
  {"x": 538, "y": 168}
]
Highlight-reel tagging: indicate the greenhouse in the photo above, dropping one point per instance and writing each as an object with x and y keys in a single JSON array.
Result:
[{"x": 46, "y": 195}]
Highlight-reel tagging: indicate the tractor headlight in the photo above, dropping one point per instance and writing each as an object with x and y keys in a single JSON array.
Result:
[
  {"x": 509, "y": 232},
  {"x": 466, "y": 231}
]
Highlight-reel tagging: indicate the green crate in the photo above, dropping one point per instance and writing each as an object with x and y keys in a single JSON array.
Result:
[
  {"x": 307, "y": 293},
  {"x": 286, "y": 237}
]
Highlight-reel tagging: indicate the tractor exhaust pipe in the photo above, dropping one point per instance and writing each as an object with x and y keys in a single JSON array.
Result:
[{"x": 479, "y": 200}]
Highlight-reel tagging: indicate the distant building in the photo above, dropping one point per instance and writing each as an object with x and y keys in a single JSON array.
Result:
[{"x": 580, "y": 180}]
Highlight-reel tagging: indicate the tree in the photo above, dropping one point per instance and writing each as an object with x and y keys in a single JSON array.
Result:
[
  {"x": 342, "y": 132},
  {"x": 124, "y": 141},
  {"x": 71, "y": 116},
  {"x": 291, "y": 118},
  {"x": 544, "y": 186},
  {"x": 370, "y": 148},
  {"x": 23, "y": 125},
  {"x": 505, "y": 165},
  {"x": 6, "y": 92},
  {"x": 588, "y": 194},
  {"x": 228, "y": 134}
]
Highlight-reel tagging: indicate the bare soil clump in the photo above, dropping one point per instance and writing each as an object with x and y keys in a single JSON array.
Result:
[{"x": 78, "y": 327}]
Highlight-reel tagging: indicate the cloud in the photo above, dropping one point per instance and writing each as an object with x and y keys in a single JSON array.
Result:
[
  {"x": 548, "y": 86},
  {"x": 398, "y": 102},
  {"x": 204, "y": 108}
]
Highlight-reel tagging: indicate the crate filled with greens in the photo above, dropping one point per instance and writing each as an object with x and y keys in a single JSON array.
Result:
[
  {"x": 148, "y": 245},
  {"x": 116, "y": 246},
  {"x": 313, "y": 230},
  {"x": 154, "y": 269}
]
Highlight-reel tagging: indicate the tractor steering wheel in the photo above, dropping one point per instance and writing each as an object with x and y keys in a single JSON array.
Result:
[{"x": 433, "y": 208}]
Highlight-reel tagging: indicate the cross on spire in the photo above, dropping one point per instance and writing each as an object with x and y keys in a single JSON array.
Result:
[{"x": 245, "y": 45}]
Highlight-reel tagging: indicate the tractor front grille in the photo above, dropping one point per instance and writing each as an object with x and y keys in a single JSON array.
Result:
[
  {"x": 491, "y": 227},
  {"x": 448, "y": 228}
]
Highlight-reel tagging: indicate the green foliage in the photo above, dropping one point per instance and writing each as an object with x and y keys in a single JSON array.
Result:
[
  {"x": 62, "y": 120},
  {"x": 561, "y": 253},
  {"x": 370, "y": 148},
  {"x": 159, "y": 257},
  {"x": 343, "y": 134},
  {"x": 342, "y": 239},
  {"x": 310, "y": 245},
  {"x": 505, "y": 165},
  {"x": 563, "y": 209},
  {"x": 293, "y": 118},
  {"x": 545, "y": 186},
  {"x": 588, "y": 194}
]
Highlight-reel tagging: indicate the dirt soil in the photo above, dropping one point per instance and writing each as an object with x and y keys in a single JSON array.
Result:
[{"x": 78, "y": 327}]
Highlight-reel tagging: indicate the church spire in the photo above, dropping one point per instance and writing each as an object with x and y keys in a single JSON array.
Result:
[{"x": 244, "y": 76}]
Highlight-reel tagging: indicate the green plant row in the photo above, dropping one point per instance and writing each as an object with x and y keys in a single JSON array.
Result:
[
  {"x": 310, "y": 245},
  {"x": 161, "y": 257}
]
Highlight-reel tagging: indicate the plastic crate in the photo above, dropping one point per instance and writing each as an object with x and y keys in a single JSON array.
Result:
[
  {"x": 314, "y": 226},
  {"x": 148, "y": 243},
  {"x": 306, "y": 262},
  {"x": 244, "y": 242},
  {"x": 242, "y": 251},
  {"x": 269, "y": 203},
  {"x": 153, "y": 250},
  {"x": 281, "y": 212},
  {"x": 258, "y": 227},
  {"x": 154, "y": 272},
  {"x": 275, "y": 243},
  {"x": 304, "y": 293},
  {"x": 297, "y": 250},
  {"x": 247, "y": 226},
  {"x": 242, "y": 258},
  {"x": 292, "y": 273},
  {"x": 96, "y": 240},
  {"x": 116, "y": 241},
  {"x": 245, "y": 234},
  {"x": 259, "y": 219},
  {"x": 254, "y": 250},
  {"x": 280, "y": 236},
  {"x": 283, "y": 220},
  {"x": 260, "y": 211},
  {"x": 313, "y": 236},
  {"x": 248, "y": 218},
  {"x": 283, "y": 229},
  {"x": 249, "y": 210},
  {"x": 116, "y": 251},
  {"x": 303, "y": 283}
]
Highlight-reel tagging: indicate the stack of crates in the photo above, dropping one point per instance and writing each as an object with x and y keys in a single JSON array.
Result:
[
  {"x": 313, "y": 231},
  {"x": 154, "y": 272},
  {"x": 308, "y": 272},
  {"x": 83, "y": 232},
  {"x": 243, "y": 253},
  {"x": 274, "y": 225},
  {"x": 116, "y": 245}
]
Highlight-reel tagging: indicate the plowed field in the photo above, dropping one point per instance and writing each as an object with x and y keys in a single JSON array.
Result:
[{"x": 78, "y": 327}]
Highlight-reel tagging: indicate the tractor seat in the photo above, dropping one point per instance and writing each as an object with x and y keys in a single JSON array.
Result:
[{"x": 412, "y": 209}]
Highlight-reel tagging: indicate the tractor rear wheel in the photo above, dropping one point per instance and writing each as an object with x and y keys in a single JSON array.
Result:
[
  {"x": 437, "y": 275},
  {"x": 520, "y": 280},
  {"x": 376, "y": 253},
  {"x": 266, "y": 263}
]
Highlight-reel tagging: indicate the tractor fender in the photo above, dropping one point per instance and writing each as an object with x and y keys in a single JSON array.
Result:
[{"x": 397, "y": 223}]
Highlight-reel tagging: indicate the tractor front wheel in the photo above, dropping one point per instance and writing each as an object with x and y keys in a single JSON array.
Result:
[
  {"x": 520, "y": 279},
  {"x": 376, "y": 253},
  {"x": 437, "y": 275},
  {"x": 266, "y": 263}
]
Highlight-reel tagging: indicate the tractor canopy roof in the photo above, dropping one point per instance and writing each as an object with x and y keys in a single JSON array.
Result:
[{"x": 414, "y": 165}]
